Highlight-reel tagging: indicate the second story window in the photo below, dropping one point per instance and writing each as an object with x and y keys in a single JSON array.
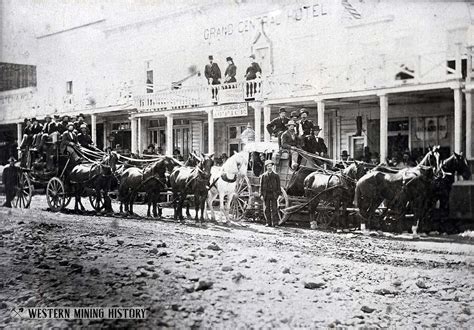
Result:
[
  {"x": 69, "y": 87},
  {"x": 149, "y": 81}
]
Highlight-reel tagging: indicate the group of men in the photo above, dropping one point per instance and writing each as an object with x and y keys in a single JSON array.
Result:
[
  {"x": 297, "y": 132},
  {"x": 212, "y": 72},
  {"x": 56, "y": 129}
]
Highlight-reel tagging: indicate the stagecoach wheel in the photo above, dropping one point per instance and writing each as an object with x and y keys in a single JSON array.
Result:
[
  {"x": 282, "y": 202},
  {"x": 55, "y": 194},
  {"x": 24, "y": 192},
  {"x": 241, "y": 198},
  {"x": 325, "y": 215},
  {"x": 96, "y": 203}
]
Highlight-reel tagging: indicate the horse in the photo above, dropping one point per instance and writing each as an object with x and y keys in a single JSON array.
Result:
[
  {"x": 191, "y": 180},
  {"x": 151, "y": 180},
  {"x": 394, "y": 187},
  {"x": 456, "y": 164},
  {"x": 224, "y": 181},
  {"x": 337, "y": 187},
  {"x": 97, "y": 176},
  {"x": 408, "y": 187}
]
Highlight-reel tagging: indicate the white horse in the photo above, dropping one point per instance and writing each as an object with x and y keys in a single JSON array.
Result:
[{"x": 224, "y": 180}]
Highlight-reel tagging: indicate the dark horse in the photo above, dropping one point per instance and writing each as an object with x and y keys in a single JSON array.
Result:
[
  {"x": 456, "y": 164},
  {"x": 97, "y": 176},
  {"x": 408, "y": 187},
  {"x": 334, "y": 187},
  {"x": 151, "y": 180},
  {"x": 188, "y": 180}
]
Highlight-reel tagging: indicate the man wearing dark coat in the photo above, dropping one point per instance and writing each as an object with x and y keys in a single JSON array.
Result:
[
  {"x": 36, "y": 131},
  {"x": 212, "y": 72},
  {"x": 314, "y": 144},
  {"x": 269, "y": 192},
  {"x": 27, "y": 136},
  {"x": 62, "y": 126},
  {"x": 68, "y": 142},
  {"x": 289, "y": 141},
  {"x": 10, "y": 181},
  {"x": 305, "y": 124},
  {"x": 278, "y": 125},
  {"x": 253, "y": 72},
  {"x": 79, "y": 122},
  {"x": 230, "y": 72},
  {"x": 83, "y": 138}
]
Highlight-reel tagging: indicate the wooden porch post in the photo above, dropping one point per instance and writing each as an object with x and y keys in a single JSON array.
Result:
[
  {"x": 321, "y": 117},
  {"x": 210, "y": 120},
  {"x": 94, "y": 128},
  {"x": 266, "y": 120},
  {"x": 134, "y": 135},
  {"x": 169, "y": 134},
  {"x": 383, "y": 98},
  {"x": 257, "y": 106},
  {"x": 457, "y": 119}
]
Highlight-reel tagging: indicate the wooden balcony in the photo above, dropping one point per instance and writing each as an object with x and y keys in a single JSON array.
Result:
[{"x": 197, "y": 96}]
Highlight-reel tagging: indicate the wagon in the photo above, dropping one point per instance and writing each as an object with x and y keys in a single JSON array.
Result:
[
  {"x": 50, "y": 177},
  {"x": 291, "y": 206}
]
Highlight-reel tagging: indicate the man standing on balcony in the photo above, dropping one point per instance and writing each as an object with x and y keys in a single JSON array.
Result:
[
  {"x": 213, "y": 75},
  {"x": 253, "y": 72}
]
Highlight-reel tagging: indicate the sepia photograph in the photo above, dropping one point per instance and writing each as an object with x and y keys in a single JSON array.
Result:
[{"x": 236, "y": 164}]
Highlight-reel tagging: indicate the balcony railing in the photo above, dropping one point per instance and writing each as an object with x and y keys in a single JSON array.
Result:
[{"x": 196, "y": 96}]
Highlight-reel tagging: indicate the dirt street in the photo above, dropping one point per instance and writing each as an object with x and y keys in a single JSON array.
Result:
[{"x": 229, "y": 276}]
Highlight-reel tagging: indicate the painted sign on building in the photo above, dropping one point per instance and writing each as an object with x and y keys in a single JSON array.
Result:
[
  {"x": 288, "y": 14},
  {"x": 231, "y": 95},
  {"x": 231, "y": 110}
]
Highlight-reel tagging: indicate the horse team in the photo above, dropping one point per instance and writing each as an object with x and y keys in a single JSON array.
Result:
[{"x": 412, "y": 190}]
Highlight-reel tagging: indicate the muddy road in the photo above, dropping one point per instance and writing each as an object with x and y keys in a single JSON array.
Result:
[{"x": 230, "y": 276}]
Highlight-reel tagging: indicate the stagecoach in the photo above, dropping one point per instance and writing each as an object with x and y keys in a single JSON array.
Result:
[
  {"x": 291, "y": 206},
  {"x": 49, "y": 175}
]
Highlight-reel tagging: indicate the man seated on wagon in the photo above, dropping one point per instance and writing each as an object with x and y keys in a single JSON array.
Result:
[
  {"x": 69, "y": 143},
  {"x": 278, "y": 125},
  {"x": 27, "y": 136},
  {"x": 305, "y": 125},
  {"x": 50, "y": 131},
  {"x": 289, "y": 141},
  {"x": 314, "y": 144},
  {"x": 79, "y": 122},
  {"x": 84, "y": 138},
  {"x": 62, "y": 125},
  {"x": 36, "y": 131}
]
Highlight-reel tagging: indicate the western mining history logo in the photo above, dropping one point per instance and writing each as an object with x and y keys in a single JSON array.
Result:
[{"x": 88, "y": 313}]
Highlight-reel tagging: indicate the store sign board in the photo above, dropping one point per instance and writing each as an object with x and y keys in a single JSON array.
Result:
[
  {"x": 231, "y": 95},
  {"x": 231, "y": 110}
]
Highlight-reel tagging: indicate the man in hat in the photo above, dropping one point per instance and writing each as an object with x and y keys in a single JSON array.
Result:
[
  {"x": 10, "y": 181},
  {"x": 313, "y": 143},
  {"x": 27, "y": 136},
  {"x": 344, "y": 155},
  {"x": 36, "y": 131},
  {"x": 305, "y": 124},
  {"x": 269, "y": 192},
  {"x": 295, "y": 117},
  {"x": 212, "y": 72},
  {"x": 289, "y": 141},
  {"x": 69, "y": 142},
  {"x": 278, "y": 125},
  {"x": 84, "y": 138},
  {"x": 50, "y": 131},
  {"x": 62, "y": 126},
  {"x": 150, "y": 150},
  {"x": 79, "y": 122}
]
